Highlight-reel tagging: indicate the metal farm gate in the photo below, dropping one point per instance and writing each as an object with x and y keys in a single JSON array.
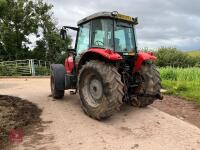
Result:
[{"x": 26, "y": 67}]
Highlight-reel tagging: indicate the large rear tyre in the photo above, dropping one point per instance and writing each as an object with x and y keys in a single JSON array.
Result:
[
  {"x": 149, "y": 90},
  {"x": 100, "y": 89}
]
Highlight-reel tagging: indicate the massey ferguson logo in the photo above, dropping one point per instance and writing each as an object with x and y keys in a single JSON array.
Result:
[{"x": 15, "y": 136}]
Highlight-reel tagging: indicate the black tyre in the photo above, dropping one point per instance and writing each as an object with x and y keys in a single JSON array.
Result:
[
  {"x": 57, "y": 81},
  {"x": 100, "y": 89},
  {"x": 150, "y": 88}
]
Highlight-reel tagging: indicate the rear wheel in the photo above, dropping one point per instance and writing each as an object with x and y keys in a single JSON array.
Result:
[
  {"x": 150, "y": 88},
  {"x": 100, "y": 89}
]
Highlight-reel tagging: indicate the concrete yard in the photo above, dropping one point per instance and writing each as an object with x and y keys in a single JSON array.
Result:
[{"x": 66, "y": 127}]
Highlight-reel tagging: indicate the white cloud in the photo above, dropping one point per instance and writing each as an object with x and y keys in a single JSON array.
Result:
[{"x": 161, "y": 22}]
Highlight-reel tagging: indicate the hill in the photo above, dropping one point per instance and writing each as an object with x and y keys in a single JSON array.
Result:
[{"x": 194, "y": 53}]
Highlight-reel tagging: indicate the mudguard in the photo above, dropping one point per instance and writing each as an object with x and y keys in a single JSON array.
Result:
[
  {"x": 141, "y": 57},
  {"x": 99, "y": 53},
  {"x": 108, "y": 54}
]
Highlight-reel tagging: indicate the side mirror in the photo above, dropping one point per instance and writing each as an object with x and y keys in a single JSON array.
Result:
[
  {"x": 135, "y": 20},
  {"x": 63, "y": 34}
]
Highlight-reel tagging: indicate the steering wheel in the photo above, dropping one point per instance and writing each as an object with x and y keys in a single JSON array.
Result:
[{"x": 99, "y": 43}]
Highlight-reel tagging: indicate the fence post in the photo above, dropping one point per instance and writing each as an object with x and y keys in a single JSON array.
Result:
[{"x": 32, "y": 67}]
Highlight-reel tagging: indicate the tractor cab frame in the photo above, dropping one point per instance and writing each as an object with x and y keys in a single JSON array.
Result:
[{"x": 105, "y": 30}]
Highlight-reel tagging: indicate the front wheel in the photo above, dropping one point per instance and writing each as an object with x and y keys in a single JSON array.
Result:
[
  {"x": 57, "y": 81},
  {"x": 100, "y": 89},
  {"x": 57, "y": 94}
]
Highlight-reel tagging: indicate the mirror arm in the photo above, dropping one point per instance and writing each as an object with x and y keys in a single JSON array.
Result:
[{"x": 69, "y": 27}]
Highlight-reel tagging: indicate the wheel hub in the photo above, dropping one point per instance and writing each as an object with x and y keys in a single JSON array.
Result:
[{"x": 96, "y": 89}]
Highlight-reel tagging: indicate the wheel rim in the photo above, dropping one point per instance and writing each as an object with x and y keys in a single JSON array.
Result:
[
  {"x": 92, "y": 89},
  {"x": 96, "y": 89}
]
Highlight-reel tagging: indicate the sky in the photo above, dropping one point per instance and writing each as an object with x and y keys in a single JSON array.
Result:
[{"x": 173, "y": 23}]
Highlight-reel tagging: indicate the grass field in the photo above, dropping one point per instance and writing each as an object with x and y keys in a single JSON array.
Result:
[
  {"x": 184, "y": 82},
  {"x": 194, "y": 53}
]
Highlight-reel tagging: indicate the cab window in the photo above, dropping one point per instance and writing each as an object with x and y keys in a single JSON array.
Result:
[
  {"x": 83, "y": 39},
  {"x": 102, "y": 33},
  {"x": 124, "y": 39}
]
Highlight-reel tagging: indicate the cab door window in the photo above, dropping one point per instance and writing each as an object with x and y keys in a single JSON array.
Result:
[{"x": 83, "y": 38}]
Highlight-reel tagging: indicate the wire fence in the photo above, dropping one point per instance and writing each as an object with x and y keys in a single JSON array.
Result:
[{"x": 28, "y": 67}]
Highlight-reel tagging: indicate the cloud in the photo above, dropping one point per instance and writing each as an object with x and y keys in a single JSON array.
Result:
[{"x": 161, "y": 22}]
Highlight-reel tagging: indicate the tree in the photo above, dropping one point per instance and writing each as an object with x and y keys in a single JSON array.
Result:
[
  {"x": 55, "y": 46},
  {"x": 2, "y": 10},
  {"x": 21, "y": 18},
  {"x": 3, "y": 4},
  {"x": 173, "y": 57},
  {"x": 39, "y": 51},
  {"x": 17, "y": 23}
]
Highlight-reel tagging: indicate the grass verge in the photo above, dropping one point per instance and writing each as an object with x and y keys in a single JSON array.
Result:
[
  {"x": 186, "y": 89},
  {"x": 182, "y": 82}
]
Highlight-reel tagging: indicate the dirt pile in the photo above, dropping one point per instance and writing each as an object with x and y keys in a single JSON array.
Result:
[{"x": 15, "y": 115}]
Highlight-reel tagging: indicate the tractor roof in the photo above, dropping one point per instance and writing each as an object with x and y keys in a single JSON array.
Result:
[{"x": 113, "y": 14}]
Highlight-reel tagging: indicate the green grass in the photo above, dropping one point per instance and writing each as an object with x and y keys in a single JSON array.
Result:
[
  {"x": 194, "y": 53},
  {"x": 183, "y": 82}
]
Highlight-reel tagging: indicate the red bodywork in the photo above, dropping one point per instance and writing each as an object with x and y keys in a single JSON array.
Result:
[
  {"x": 69, "y": 64},
  {"x": 109, "y": 54},
  {"x": 141, "y": 57},
  {"x": 112, "y": 56}
]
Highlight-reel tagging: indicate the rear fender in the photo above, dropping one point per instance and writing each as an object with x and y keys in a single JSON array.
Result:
[
  {"x": 99, "y": 54},
  {"x": 141, "y": 57},
  {"x": 108, "y": 54}
]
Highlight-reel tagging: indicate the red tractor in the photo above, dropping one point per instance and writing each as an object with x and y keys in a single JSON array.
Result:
[{"x": 105, "y": 67}]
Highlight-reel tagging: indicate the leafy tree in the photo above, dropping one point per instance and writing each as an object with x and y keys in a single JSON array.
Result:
[
  {"x": 17, "y": 23},
  {"x": 39, "y": 51},
  {"x": 55, "y": 46},
  {"x": 21, "y": 18},
  {"x": 3, "y": 4}
]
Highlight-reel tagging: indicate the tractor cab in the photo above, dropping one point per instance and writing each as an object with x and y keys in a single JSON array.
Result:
[{"x": 107, "y": 31}]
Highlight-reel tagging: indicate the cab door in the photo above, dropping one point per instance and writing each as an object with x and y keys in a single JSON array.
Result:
[{"x": 83, "y": 40}]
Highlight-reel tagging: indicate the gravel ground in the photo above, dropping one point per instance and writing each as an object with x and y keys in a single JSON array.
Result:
[{"x": 65, "y": 126}]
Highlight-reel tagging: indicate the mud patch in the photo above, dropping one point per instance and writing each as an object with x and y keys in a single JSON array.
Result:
[
  {"x": 126, "y": 129},
  {"x": 180, "y": 108},
  {"x": 16, "y": 116}
]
